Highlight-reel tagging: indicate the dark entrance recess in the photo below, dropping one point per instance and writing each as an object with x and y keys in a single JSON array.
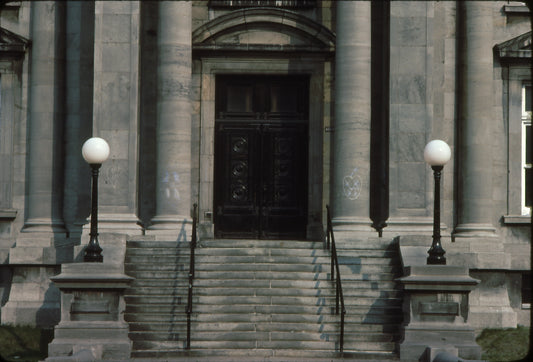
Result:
[{"x": 261, "y": 151}]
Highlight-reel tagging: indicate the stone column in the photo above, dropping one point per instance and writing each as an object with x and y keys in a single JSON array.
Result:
[
  {"x": 44, "y": 214},
  {"x": 351, "y": 142},
  {"x": 173, "y": 117},
  {"x": 116, "y": 112},
  {"x": 78, "y": 120},
  {"x": 42, "y": 245},
  {"x": 475, "y": 118}
]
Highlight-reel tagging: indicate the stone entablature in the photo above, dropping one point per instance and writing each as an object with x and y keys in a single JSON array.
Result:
[
  {"x": 263, "y": 29},
  {"x": 516, "y": 48}
]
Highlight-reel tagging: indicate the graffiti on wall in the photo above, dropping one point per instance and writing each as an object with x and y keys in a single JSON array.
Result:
[
  {"x": 351, "y": 185},
  {"x": 171, "y": 182}
]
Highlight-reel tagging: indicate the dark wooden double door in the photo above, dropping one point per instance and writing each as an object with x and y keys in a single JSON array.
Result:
[{"x": 261, "y": 152}]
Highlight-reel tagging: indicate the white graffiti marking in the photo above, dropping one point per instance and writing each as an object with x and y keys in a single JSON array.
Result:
[
  {"x": 172, "y": 181},
  {"x": 351, "y": 185}
]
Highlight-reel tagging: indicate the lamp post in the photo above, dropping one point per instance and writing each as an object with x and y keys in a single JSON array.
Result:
[
  {"x": 436, "y": 153},
  {"x": 95, "y": 151}
]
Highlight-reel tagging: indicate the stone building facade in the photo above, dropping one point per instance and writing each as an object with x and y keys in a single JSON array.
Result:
[{"x": 351, "y": 90}]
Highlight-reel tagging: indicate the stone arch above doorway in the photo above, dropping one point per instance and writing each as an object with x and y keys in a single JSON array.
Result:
[{"x": 263, "y": 29}]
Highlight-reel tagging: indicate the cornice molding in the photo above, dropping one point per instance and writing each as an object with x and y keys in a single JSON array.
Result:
[
  {"x": 317, "y": 38},
  {"x": 516, "y": 48}
]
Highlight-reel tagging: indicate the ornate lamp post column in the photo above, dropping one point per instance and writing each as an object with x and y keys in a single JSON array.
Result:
[
  {"x": 436, "y": 153},
  {"x": 95, "y": 151}
]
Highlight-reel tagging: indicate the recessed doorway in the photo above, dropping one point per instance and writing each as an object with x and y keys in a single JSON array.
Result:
[{"x": 261, "y": 156}]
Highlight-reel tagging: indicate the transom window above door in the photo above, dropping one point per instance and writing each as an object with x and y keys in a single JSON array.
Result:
[
  {"x": 295, "y": 4},
  {"x": 262, "y": 97}
]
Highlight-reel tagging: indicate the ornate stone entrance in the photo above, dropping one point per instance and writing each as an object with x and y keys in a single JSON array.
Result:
[{"x": 261, "y": 153}]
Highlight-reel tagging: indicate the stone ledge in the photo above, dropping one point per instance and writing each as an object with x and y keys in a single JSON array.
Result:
[
  {"x": 437, "y": 277},
  {"x": 516, "y": 8},
  {"x": 90, "y": 276},
  {"x": 517, "y": 219},
  {"x": 8, "y": 214}
]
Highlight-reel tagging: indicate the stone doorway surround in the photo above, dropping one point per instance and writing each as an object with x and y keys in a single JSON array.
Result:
[
  {"x": 213, "y": 66},
  {"x": 267, "y": 41}
]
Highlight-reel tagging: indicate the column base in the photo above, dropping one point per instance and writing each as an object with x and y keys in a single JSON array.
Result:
[
  {"x": 351, "y": 223},
  {"x": 128, "y": 224},
  {"x": 44, "y": 225},
  {"x": 470, "y": 230},
  {"x": 412, "y": 225},
  {"x": 176, "y": 226}
]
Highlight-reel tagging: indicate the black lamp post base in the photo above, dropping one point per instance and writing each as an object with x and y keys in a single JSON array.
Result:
[
  {"x": 93, "y": 253},
  {"x": 436, "y": 260},
  {"x": 93, "y": 258}
]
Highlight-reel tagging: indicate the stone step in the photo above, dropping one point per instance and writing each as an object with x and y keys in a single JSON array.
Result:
[
  {"x": 287, "y": 283},
  {"x": 354, "y": 244},
  {"x": 303, "y": 252},
  {"x": 378, "y": 282},
  {"x": 359, "y": 319},
  {"x": 260, "y": 355},
  {"x": 347, "y": 272},
  {"x": 233, "y": 275},
  {"x": 231, "y": 308},
  {"x": 134, "y": 242},
  {"x": 300, "y": 292},
  {"x": 260, "y": 275},
  {"x": 262, "y": 298},
  {"x": 258, "y": 243},
  {"x": 250, "y": 355},
  {"x": 330, "y": 327},
  {"x": 132, "y": 261},
  {"x": 291, "y": 300},
  {"x": 315, "y": 292},
  {"x": 140, "y": 267},
  {"x": 265, "y": 344},
  {"x": 349, "y": 256}
]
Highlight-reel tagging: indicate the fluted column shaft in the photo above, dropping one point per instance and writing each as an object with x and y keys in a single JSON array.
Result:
[
  {"x": 351, "y": 141},
  {"x": 475, "y": 118},
  {"x": 173, "y": 116},
  {"x": 45, "y": 179},
  {"x": 116, "y": 112}
]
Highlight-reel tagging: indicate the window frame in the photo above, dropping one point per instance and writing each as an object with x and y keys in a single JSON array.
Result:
[
  {"x": 525, "y": 122},
  {"x": 515, "y": 77},
  {"x": 238, "y": 4}
]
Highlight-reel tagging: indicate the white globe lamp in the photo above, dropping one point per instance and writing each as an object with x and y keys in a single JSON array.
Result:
[
  {"x": 95, "y": 151},
  {"x": 437, "y": 153}
]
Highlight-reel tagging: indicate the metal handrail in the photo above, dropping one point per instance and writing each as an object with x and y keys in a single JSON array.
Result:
[
  {"x": 191, "y": 275},
  {"x": 335, "y": 276}
]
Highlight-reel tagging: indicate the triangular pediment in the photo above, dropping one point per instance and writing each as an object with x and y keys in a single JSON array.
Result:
[
  {"x": 263, "y": 29},
  {"x": 12, "y": 44},
  {"x": 519, "y": 47}
]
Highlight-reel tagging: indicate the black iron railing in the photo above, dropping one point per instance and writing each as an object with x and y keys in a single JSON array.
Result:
[
  {"x": 191, "y": 274},
  {"x": 335, "y": 276}
]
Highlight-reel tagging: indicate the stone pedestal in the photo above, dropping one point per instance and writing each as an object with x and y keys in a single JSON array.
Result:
[
  {"x": 436, "y": 311},
  {"x": 92, "y": 307}
]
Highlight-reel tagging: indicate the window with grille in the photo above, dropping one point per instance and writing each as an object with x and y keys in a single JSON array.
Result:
[
  {"x": 526, "y": 199},
  {"x": 295, "y": 4}
]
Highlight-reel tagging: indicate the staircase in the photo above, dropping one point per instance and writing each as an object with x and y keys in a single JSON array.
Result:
[{"x": 261, "y": 298}]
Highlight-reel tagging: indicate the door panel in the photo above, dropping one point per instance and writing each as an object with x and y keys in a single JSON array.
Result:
[
  {"x": 236, "y": 180},
  {"x": 261, "y": 153},
  {"x": 261, "y": 180},
  {"x": 284, "y": 181}
]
